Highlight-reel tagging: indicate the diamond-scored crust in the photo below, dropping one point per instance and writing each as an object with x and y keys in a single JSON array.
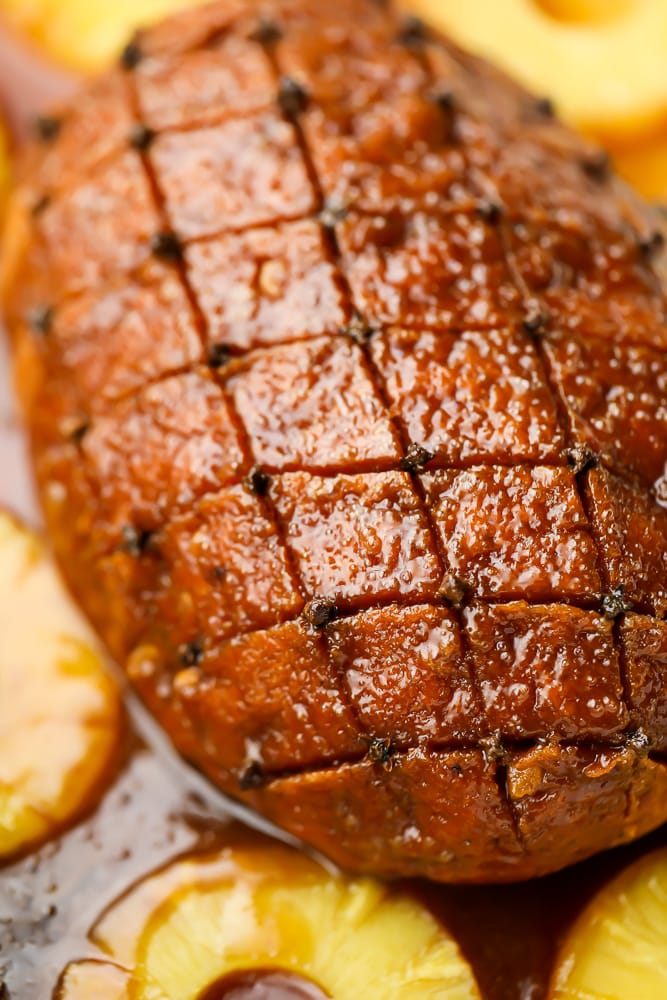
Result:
[
  {"x": 313, "y": 405},
  {"x": 343, "y": 369},
  {"x": 239, "y": 173},
  {"x": 228, "y": 76},
  {"x": 514, "y": 531},
  {"x": 405, "y": 675},
  {"x": 267, "y": 285},
  {"x": 546, "y": 669},
  {"x": 470, "y": 396}
]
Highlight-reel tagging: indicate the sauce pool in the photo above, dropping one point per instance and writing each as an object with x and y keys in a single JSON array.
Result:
[{"x": 263, "y": 984}]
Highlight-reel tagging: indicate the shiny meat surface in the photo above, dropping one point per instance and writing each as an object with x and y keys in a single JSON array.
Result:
[{"x": 344, "y": 369}]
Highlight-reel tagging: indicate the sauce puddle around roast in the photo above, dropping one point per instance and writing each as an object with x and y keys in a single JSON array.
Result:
[{"x": 156, "y": 808}]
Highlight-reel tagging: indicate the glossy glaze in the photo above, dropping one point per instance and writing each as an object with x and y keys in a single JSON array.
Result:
[
  {"x": 405, "y": 418},
  {"x": 155, "y": 808}
]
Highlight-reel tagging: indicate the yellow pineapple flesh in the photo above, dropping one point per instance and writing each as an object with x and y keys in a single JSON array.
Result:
[
  {"x": 186, "y": 928},
  {"x": 91, "y": 980},
  {"x": 59, "y": 709},
  {"x": 617, "y": 950}
]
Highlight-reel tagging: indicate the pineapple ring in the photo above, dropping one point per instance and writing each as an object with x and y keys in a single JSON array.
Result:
[
  {"x": 59, "y": 709},
  {"x": 617, "y": 949},
  {"x": 602, "y": 60},
  {"x": 182, "y": 931},
  {"x": 87, "y": 979}
]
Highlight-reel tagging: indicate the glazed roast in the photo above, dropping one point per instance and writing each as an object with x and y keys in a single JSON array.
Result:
[{"x": 345, "y": 369}]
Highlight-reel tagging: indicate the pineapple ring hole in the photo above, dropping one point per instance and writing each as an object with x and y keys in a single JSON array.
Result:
[
  {"x": 263, "y": 984},
  {"x": 586, "y": 12}
]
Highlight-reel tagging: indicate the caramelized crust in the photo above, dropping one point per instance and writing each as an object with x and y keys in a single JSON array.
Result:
[
  {"x": 267, "y": 286},
  {"x": 645, "y": 647},
  {"x": 514, "y": 532},
  {"x": 228, "y": 76},
  {"x": 106, "y": 346},
  {"x": 546, "y": 669},
  {"x": 98, "y": 228},
  {"x": 405, "y": 674},
  {"x": 314, "y": 406},
  {"x": 614, "y": 395},
  {"x": 469, "y": 397},
  {"x": 344, "y": 371},
  {"x": 243, "y": 172},
  {"x": 438, "y": 272}
]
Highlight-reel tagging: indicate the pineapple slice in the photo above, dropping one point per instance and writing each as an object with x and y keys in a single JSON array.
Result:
[
  {"x": 617, "y": 949},
  {"x": 59, "y": 710},
  {"x": 90, "y": 979},
  {"x": 86, "y": 35},
  {"x": 200, "y": 921}
]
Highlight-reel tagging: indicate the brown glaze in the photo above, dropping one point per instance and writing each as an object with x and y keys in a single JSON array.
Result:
[
  {"x": 509, "y": 933},
  {"x": 373, "y": 337},
  {"x": 263, "y": 984},
  {"x": 155, "y": 810}
]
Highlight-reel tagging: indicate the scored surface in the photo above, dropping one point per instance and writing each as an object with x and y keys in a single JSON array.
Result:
[{"x": 350, "y": 428}]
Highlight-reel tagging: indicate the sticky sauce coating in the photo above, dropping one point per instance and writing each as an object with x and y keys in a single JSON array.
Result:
[{"x": 342, "y": 365}]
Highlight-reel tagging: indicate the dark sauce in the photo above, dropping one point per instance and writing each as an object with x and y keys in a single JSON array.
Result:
[
  {"x": 156, "y": 808},
  {"x": 263, "y": 984}
]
